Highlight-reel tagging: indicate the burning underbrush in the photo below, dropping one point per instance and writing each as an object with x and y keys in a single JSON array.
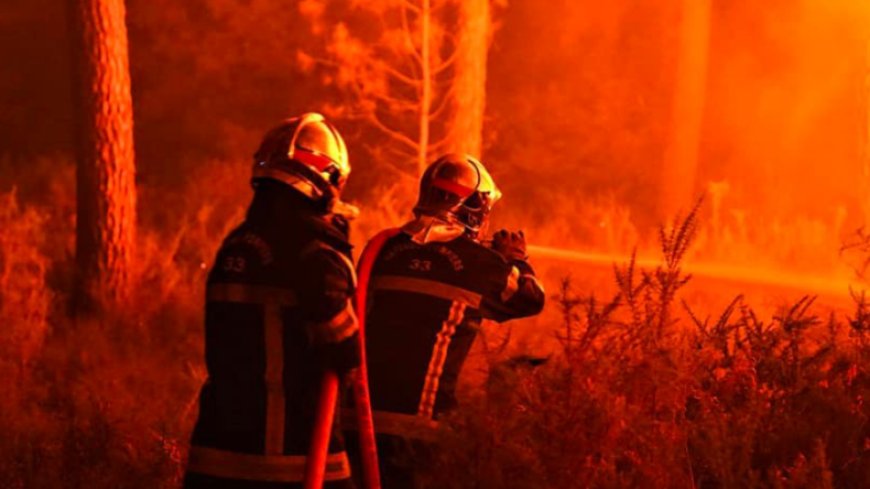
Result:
[{"x": 642, "y": 390}]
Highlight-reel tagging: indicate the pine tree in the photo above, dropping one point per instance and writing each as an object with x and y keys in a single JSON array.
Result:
[
  {"x": 105, "y": 178},
  {"x": 469, "y": 79}
]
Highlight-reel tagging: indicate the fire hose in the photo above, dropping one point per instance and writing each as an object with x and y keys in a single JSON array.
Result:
[
  {"x": 315, "y": 467},
  {"x": 785, "y": 279}
]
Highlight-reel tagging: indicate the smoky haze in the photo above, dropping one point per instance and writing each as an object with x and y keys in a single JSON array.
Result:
[
  {"x": 580, "y": 113},
  {"x": 784, "y": 116}
]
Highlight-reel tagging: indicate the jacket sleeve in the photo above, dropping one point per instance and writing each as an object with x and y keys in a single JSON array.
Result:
[
  {"x": 517, "y": 293},
  {"x": 327, "y": 302}
]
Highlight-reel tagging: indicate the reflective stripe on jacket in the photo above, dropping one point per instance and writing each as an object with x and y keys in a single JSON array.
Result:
[
  {"x": 426, "y": 303},
  {"x": 278, "y": 312}
]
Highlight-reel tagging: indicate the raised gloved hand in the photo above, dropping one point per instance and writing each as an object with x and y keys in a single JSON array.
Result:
[{"x": 510, "y": 245}]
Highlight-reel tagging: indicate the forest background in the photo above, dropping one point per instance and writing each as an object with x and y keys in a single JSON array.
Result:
[{"x": 599, "y": 121}]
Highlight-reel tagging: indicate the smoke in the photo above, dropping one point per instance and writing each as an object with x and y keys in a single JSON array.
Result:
[
  {"x": 580, "y": 110},
  {"x": 585, "y": 99},
  {"x": 784, "y": 108}
]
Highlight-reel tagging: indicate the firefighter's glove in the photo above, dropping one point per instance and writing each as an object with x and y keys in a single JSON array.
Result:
[{"x": 510, "y": 245}]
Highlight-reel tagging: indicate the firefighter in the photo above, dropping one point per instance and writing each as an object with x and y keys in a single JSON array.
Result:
[
  {"x": 430, "y": 287},
  {"x": 278, "y": 313}
]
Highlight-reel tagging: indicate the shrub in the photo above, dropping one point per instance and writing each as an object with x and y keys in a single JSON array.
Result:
[
  {"x": 645, "y": 395},
  {"x": 642, "y": 392}
]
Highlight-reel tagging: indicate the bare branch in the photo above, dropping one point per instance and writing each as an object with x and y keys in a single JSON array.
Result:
[
  {"x": 401, "y": 161},
  {"x": 447, "y": 63},
  {"x": 406, "y": 28},
  {"x": 397, "y": 135},
  {"x": 399, "y": 76},
  {"x": 395, "y": 104},
  {"x": 445, "y": 101},
  {"x": 394, "y": 157},
  {"x": 441, "y": 143}
]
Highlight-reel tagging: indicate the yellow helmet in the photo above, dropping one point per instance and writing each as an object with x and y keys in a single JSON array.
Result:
[
  {"x": 308, "y": 154},
  {"x": 458, "y": 188}
]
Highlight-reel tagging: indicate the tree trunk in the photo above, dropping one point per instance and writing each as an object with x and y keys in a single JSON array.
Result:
[
  {"x": 681, "y": 152},
  {"x": 469, "y": 84},
  {"x": 865, "y": 136},
  {"x": 105, "y": 177}
]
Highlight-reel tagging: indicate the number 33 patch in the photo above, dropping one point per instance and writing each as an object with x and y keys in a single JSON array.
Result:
[
  {"x": 420, "y": 265},
  {"x": 234, "y": 264}
]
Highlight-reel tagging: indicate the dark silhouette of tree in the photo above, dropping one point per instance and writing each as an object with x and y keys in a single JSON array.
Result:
[{"x": 105, "y": 177}]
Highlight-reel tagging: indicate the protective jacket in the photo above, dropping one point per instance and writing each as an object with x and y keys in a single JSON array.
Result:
[
  {"x": 426, "y": 303},
  {"x": 278, "y": 312}
]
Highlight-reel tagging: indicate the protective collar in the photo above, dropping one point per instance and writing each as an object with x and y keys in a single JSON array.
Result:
[{"x": 428, "y": 229}]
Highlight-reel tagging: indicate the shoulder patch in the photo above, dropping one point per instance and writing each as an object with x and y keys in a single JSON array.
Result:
[{"x": 250, "y": 239}]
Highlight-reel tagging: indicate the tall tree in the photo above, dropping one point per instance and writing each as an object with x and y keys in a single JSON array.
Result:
[
  {"x": 419, "y": 78},
  {"x": 681, "y": 151},
  {"x": 469, "y": 80},
  {"x": 864, "y": 88},
  {"x": 105, "y": 177}
]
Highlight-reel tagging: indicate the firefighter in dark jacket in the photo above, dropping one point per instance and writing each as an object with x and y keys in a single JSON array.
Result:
[
  {"x": 431, "y": 286},
  {"x": 278, "y": 312}
]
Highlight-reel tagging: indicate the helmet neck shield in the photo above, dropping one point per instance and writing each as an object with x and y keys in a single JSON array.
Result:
[{"x": 429, "y": 229}]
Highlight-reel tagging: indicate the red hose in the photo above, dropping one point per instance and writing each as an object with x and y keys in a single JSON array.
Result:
[
  {"x": 367, "y": 444},
  {"x": 315, "y": 463}
]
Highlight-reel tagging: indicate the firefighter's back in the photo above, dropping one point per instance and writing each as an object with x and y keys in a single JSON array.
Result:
[
  {"x": 427, "y": 303},
  {"x": 264, "y": 365}
]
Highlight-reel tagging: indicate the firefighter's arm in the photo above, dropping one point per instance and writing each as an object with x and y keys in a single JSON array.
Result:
[
  {"x": 327, "y": 300},
  {"x": 517, "y": 292}
]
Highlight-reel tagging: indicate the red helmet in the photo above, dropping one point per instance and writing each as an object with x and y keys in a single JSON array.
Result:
[
  {"x": 458, "y": 189},
  {"x": 306, "y": 153}
]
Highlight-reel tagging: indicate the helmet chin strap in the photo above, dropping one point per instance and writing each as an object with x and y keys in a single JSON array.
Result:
[
  {"x": 474, "y": 228},
  {"x": 480, "y": 231}
]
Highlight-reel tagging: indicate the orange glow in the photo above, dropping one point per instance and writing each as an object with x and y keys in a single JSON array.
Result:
[
  {"x": 784, "y": 109},
  {"x": 598, "y": 120},
  {"x": 764, "y": 112}
]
